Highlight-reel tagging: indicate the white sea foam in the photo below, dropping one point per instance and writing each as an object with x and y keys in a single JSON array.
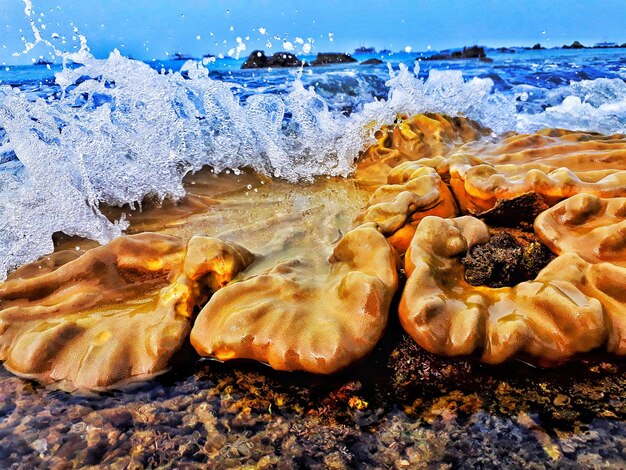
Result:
[
  {"x": 593, "y": 105},
  {"x": 122, "y": 131}
]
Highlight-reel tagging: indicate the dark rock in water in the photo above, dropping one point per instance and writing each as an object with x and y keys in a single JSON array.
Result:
[
  {"x": 537, "y": 47},
  {"x": 414, "y": 370},
  {"x": 508, "y": 258},
  {"x": 258, "y": 60},
  {"x": 365, "y": 50},
  {"x": 372, "y": 61},
  {"x": 324, "y": 58},
  {"x": 574, "y": 45},
  {"x": 515, "y": 211},
  {"x": 181, "y": 56},
  {"x": 506, "y": 50},
  {"x": 472, "y": 52}
]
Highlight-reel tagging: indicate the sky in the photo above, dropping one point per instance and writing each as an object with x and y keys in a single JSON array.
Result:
[{"x": 152, "y": 29}]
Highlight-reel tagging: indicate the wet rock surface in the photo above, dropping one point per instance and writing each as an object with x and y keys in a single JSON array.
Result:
[
  {"x": 468, "y": 52},
  {"x": 515, "y": 211},
  {"x": 326, "y": 58},
  {"x": 508, "y": 258},
  {"x": 401, "y": 408},
  {"x": 258, "y": 60},
  {"x": 372, "y": 61}
]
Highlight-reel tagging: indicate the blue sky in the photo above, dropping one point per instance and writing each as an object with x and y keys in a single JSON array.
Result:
[{"x": 152, "y": 28}]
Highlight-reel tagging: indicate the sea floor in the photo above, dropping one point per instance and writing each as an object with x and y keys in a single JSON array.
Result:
[{"x": 401, "y": 408}]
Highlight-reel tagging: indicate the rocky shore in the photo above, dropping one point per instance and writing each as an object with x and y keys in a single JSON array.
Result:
[
  {"x": 258, "y": 59},
  {"x": 472, "y": 52}
]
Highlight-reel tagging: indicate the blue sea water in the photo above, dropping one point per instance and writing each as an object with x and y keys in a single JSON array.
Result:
[
  {"x": 345, "y": 87},
  {"x": 115, "y": 130}
]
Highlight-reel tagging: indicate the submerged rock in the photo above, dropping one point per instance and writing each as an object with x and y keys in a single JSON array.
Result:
[
  {"x": 505, "y": 260},
  {"x": 326, "y": 58},
  {"x": 372, "y": 61},
  {"x": 416, "y": 371}
]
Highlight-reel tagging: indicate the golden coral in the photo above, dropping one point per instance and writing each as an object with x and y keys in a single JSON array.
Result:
[
  {"x": 118, "y": 313},
  {"x": 302, "y": 314},
  {"x": 447, "y": 316},
  {"x": 574, "y": 305},
  {"x": 420, "y": 136},
  {"x": 477, "y": 187},
  {"x": 412, "y": 193},
  {"x": 114, "y": 315}
]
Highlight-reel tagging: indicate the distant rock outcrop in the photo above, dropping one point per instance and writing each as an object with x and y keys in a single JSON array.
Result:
[
  {"x": 537, "y": 47},
  {"x": 605, "y": 45},
  {"x": 372, "y": 61},
  {"x": 258, "y": 60},
  {"x": 325, "y": 58},
  {"x": 574, "y": 45},
  {"x": 472, "y": 52}
]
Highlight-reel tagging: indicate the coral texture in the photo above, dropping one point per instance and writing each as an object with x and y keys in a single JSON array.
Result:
[
  {"x": 114, "y": 315},
  {"x": 303, "y": 315},
  {"x": 119, "y": 313},
  {"x": 575, "y": 304}
]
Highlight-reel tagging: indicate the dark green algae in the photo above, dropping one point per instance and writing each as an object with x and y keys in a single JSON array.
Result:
[{"x": 399, "y": 408}]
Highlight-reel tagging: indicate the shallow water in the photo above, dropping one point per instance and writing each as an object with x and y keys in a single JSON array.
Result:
[{"x": 401, "y": 408}]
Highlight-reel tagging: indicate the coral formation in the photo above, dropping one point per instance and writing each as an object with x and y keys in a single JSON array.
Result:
[
  {"x": 572, "y": 306},
  {"x": 587, "y": 225},
  {"x": 479, "y": 186},
  {"x": 302, "y": 315},
  {"x": 118, "y": 313},
  {"x": 413, "y": 192},
  {"x": 113, "y": 315},
  {"x": 410, "y": 139}
]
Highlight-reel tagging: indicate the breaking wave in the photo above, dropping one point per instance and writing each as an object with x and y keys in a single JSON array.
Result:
[{"x": 117, "y": 130}]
